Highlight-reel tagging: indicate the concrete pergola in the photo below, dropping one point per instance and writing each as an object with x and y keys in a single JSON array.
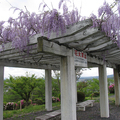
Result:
[{"x": 57, "y": 53}]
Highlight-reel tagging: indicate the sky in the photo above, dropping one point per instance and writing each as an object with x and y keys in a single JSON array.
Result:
[{"x": 86, "y": 7}]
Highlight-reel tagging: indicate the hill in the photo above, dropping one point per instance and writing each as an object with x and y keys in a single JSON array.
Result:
[{"x": 91, "y": 77}]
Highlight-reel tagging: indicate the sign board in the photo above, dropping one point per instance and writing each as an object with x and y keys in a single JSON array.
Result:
[{"x": 80, "y": 59}]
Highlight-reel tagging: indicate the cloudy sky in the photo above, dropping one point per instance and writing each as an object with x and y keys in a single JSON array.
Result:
[{"x": 86, "y": 7}]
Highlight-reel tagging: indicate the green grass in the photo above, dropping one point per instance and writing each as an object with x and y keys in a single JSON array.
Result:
[
  {"x": 93, "y": 98},
  {"x": 111, "y": 94},
  {"x": 111, "y": 99},
  {"x": 28, "y": 109}
]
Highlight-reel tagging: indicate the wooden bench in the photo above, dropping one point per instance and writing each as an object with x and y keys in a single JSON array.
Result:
[
  {"x": 49, "y": 115},
  {"x": 81, "y": 106}
]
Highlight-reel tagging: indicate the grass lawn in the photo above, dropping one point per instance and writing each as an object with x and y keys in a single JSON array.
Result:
[
  {"x": 28, "y": 109},
  {"x": 31, "y": 108},
  {"x": 97, "y": 99}
]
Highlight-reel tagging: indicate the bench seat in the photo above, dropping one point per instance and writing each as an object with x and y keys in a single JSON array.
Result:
[
  {"x": 49, "y": 115},
  {"x": 81, "y": 106},
  {"x": 57, "y": 113}
]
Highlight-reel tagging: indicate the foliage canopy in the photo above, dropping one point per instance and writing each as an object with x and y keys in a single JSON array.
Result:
[{"x": 23, "y": 85}]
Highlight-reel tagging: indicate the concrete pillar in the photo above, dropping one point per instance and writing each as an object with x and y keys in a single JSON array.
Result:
[
  {"x": 1, "y": 91},
  {"x": 48, "y": 90},
  {"x": 76, "y": 90},
  {"x": 68, "y": 92},
  {"x": 117, "y": 87},
  {"x": 75, "y": 86},
  {"x": 104, "y": 102}
]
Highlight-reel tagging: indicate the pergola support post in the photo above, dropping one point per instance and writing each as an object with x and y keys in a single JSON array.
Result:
[
  {"x": 68, "y": 86},
  {"x": 1, "y": 91},
  {"x": 75, "y": 86},
  {"x": 104, "y": 103},
  {"x": 48, "y": 90},
  {"x": 117, "y": 87}
]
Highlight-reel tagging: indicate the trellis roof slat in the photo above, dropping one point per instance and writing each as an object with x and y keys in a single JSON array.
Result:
[
  {"x": 78, "y": 36},
  {"x": 87, "y": 40},
  {"x": 99, "y": 47},
  {"x": 46, "y": 55}
]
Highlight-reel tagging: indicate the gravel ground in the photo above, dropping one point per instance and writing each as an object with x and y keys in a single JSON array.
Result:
[{"x": 91, "y": 113}]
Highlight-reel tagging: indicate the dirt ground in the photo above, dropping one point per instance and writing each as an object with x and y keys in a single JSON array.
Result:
[{"x": 91, "y": 113}]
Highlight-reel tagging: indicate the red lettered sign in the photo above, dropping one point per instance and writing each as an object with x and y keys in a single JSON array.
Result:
[{"x": 80, "y": 59}]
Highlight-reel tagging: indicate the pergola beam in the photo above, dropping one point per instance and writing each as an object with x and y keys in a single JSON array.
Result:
[
  {"x": 87, "y": 40},
  {"x": 77, "y": 37},
  {"x": 73, "y": 29},
  {"x": 14, "y": 63},
  {"x": 52, "y": 48},
  {"x": 70, "y": 30},
  {"x": 99, "y": 46}
]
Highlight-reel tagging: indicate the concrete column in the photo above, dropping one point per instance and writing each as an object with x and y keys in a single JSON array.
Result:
[
  {"x": 1, "y": 91},
  {"x": 76, "y": 90},
  {"x": 75, "y": 86},
  {"x": 68, "y": 92},
  {"x": 117, "y": 87},
  {"x": 48, "y": 90},
  {"x": 104, "y": 103}
]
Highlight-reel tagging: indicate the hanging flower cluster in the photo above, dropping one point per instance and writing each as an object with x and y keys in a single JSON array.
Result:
[
  {"x": 27, "y": 24},
  {"x": 108, "y": 20}
]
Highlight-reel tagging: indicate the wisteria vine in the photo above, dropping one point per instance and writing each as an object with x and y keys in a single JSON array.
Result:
[
  {"x": 27, "y": 24},
  {"x": 108, "y": 20},
  {"x": 19, "y": 30}
]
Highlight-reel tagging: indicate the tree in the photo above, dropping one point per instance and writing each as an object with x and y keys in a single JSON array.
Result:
[
  {"x": 78, "y": 72},
  {"x": 81, "y": 86},
  {"x": 23, "y": 85},
  {"x": 39, "y": 91},
  {"x": 110, "y": 81},
  {"x": 57, "y": 75},
  {"x": 93, "y": 86},
  {"x": 55, "y": 88}
]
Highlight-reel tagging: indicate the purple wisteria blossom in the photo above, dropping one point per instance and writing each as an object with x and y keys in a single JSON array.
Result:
[
  {"x": 108, "y": 21},
  {"x": 27, "y": 24}
]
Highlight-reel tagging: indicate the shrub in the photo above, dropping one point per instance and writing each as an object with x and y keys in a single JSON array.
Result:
[
  {"x": 59, "y": 96},
  {"x": 23, "y": 103},
  {"x": 81, "y": 85},
  {"x": 80, "y": 96},
  {"x": 111, "y": 88},
  {"x": 39, "y": 101},
  {"x": 55, "y": 99},
  {"x": 9, "y": 106},
  {"x": 27, "y": 103},
  {"x": 18, "y": 105},
  {"x": 96, "y": 94}
]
